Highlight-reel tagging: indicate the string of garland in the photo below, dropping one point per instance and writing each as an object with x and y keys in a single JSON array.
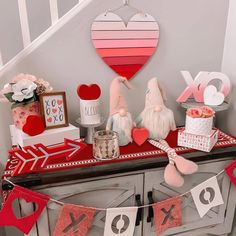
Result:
[{"x": 105, "y": 209}]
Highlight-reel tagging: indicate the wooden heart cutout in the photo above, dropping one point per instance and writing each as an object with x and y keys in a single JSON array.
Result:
[
  {"x": 89, "y": 92},
  {"x": 140, "y": 135},
  {"x": 125, "y": 49},
  {"x": 212, "y": 97}
]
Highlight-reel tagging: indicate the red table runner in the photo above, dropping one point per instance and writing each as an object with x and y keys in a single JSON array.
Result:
[{"x": 129, "y": 152}]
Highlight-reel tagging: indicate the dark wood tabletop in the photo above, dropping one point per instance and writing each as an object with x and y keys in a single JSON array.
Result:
[{"x": 37, "y": 179}]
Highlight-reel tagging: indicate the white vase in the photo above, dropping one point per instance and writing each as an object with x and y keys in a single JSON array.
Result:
[
  {"x": 90, "y": 112},
  {"x": 199, "y": 126}
]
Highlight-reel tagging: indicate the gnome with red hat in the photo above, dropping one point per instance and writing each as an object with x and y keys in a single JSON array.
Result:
[{"x": 120, "y": 119}]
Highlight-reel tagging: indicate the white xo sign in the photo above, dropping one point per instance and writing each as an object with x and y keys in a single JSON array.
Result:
[{"x": 201, "y": 89}]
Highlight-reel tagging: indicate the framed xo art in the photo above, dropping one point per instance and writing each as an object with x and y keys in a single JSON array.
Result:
[{"x": 54, "y": 109}]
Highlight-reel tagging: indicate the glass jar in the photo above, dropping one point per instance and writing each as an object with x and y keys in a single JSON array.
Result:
[{"x": 106, "y": 145}]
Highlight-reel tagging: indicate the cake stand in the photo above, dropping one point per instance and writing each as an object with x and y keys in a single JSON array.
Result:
[
  {"x": 192, "y": 103},
  {"x": 90, "y": 129}
]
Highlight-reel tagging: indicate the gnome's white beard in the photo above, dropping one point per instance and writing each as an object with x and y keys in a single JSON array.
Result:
[
  {"x": 124, "y": 123},
  {"x": 159, "y": 123}
]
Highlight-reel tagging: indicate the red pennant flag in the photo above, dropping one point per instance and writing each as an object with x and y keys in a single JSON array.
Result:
[
  {"x": 74, "y": 221},
  {"x": 25, "y": 223},
  {"x": 231, "y": 172},
  {"x": 167, "y": 214}
]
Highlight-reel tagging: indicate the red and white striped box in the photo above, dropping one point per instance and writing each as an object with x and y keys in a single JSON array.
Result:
[{"x": 198, "y": 142}]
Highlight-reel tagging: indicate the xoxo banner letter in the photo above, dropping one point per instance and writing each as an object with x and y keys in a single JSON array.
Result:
[
  {"x": 207, "y": 195},
  {"x": 231, "y": 172},
  {"x": 25, "y": 223},
  {"x": 74, "y": 221},
  {"x": 168, "y": 214},
  {"x": 120, "y": 221}
]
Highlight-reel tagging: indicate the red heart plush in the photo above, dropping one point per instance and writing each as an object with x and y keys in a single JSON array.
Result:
[
  {"x": 140, "y": 135},
  {"x": 89, "y": 92},
  {"x": 34, "y": 125}
]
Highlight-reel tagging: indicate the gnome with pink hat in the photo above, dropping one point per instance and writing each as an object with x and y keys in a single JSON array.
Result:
[
  {"x": 120, "y": 119},
  {"x": 156, "y": 117},
  {"x": 159, "y": 120}
]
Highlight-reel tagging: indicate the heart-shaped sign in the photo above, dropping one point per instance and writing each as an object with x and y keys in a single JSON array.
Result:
[
  {"x": 125, "y": 49},
  {"x": 34, "y": 125},
  {"x": 140, "y": 135},
  {"x": 89, "y": 92},
  {"x": 212, "y": 97}
]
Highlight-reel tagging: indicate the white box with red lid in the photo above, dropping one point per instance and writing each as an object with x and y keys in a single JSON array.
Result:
[{"x": 198, "y": 142}]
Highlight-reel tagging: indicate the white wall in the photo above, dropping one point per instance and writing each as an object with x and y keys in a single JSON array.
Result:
[
  {"x": 227, "y": 119},
  {"x": 39, "y": 20},
  {"x": 192, "y": 38}
]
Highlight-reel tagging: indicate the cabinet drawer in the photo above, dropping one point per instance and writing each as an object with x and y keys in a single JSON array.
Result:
[{"x": 217, "y": 221}]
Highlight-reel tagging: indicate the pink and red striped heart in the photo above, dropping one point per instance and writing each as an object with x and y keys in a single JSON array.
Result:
[{"x": 125, "y": 49}]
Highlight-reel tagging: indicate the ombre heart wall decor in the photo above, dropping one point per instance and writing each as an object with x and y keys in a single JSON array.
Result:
[{"x": 125, "y": 48}]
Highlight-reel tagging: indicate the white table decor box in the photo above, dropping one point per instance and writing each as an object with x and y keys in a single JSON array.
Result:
[
  {"x": 47, "y": 138},
  {"x": 198, "y": 142}
]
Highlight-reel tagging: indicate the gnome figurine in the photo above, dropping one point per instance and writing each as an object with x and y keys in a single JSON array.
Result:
[
  {"x": 120, "y": 119},
  {"x": 156, "y": 117}
]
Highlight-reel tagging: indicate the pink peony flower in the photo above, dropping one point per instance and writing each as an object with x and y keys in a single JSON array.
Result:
[
  {"x": 207, "y": 112},
  {"x": 200, "y": 112},
  {"x": 194, "y": 112},
  {"x": 24, "y": 76}
]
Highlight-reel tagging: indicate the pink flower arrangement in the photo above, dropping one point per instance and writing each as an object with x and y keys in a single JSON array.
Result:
[
  {"x": 24, "y": 89},
  {"x": 200, "y": 112}
]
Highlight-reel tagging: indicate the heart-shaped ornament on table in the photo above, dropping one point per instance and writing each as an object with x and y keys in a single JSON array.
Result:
[
  {"x": 140, "y": 135},
  {"x": 34, "y": 125},
  {"x": 89, "y": 92},
  {"x": 125, "y": 48},
  {"x": 212, "y": 97}
]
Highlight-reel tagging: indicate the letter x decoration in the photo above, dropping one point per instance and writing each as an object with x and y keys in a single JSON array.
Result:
[
  {"x": 74, "y": 220},
  {"x": 167, "y": 214}
]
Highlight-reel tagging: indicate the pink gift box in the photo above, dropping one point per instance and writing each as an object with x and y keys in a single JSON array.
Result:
[{"x": 198, "y": 142}]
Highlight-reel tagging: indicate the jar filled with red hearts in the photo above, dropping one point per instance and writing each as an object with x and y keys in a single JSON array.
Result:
[{"x": 106, "y": 145}]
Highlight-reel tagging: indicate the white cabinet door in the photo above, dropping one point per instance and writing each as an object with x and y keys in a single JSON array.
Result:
[
  {"x": 112, "y": 192},
  {"x": 218, "y": 221}
]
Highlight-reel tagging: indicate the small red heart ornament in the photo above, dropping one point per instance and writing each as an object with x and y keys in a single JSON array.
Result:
[
  {"x": 140, "y": 135},
  {"x": 49, "y": 119},
  {"x": 89, "y": 92},
  {"x": 34, "y": 125}
]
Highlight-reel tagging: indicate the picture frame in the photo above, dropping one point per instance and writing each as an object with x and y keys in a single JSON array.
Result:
[{"x": 54, "y": 109}]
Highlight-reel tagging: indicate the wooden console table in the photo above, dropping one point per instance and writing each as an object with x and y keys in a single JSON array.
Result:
[{"x": 128, "y": 183}]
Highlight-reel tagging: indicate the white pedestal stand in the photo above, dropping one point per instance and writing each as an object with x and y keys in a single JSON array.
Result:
[{"x": 90, "y": 129}]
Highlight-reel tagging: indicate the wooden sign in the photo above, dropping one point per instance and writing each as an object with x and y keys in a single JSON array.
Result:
[
  {"x": 196, "y": 87},
  {"x": 54, "y": 109},
  {"x": 125, "y": 48}
]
